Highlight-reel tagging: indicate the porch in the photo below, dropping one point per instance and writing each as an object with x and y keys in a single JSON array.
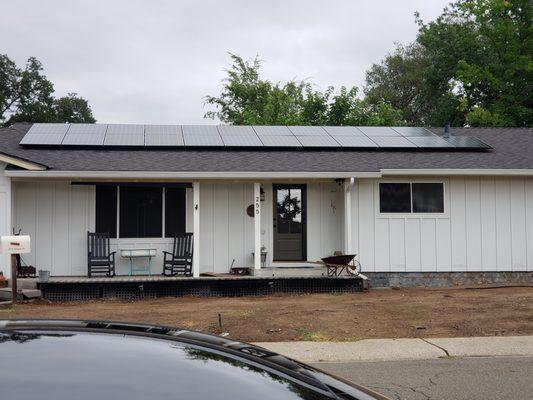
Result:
[
  {"x": 233, "y": 223},
  {"x": 264, "y": 282}
]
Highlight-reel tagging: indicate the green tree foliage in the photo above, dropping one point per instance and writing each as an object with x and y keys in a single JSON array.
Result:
[
  {"x": 27, "y": 95},
  {"x": 472, "y": 65},
  {"x": 248, "y": 99}
]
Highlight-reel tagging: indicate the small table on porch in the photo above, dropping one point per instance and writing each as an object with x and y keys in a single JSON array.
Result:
[{"x": 131, "y": 254}]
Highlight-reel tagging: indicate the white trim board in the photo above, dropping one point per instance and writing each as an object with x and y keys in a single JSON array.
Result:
[
  {"x": 28, "y": 165},
  {"x": 244, "y": 175}
]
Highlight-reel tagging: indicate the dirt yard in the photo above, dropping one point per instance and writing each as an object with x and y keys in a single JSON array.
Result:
[{"x": 342, "y": 317}]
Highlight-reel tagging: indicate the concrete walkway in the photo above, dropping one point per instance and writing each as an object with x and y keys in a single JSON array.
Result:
[{"x": 403, "y": 349}]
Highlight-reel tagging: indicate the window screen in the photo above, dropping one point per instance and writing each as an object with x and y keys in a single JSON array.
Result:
[
  {"x": 174, "y": 211},
  {"x": 141, "y": 210},
  {"x": 395, "y": 197},
  {"x": 106, "y": 210},
  {"x": 428, "y": 197}
]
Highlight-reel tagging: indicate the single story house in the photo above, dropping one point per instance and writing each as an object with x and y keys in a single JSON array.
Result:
[{"x": 403, "y": 199}]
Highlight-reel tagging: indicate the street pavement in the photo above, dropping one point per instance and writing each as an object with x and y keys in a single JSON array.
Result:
[{"x": 450, "y": 378}]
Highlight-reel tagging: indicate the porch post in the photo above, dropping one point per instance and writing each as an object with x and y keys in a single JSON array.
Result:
[
  {"x": 348, "y": 185},
  {"x": 196, "y": 229},
  {"x": 5, "y": 220},
  {"x": 257, "y": 225}
]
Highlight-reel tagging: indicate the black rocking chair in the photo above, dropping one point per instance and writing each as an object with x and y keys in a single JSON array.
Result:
[
  {"x": 100, "y": 259},
  {"x": 179, "y": 262}
]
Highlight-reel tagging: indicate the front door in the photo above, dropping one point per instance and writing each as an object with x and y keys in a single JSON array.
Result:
[{"x": 289, "y": 223}]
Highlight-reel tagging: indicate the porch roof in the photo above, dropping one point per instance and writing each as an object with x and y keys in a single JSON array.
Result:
[{"x": 512, "y": 150}]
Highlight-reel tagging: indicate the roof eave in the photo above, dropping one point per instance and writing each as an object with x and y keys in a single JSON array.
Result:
[{"x": 22, "y": 163}]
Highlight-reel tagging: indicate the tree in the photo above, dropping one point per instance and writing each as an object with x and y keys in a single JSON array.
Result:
[
  {"x": 27, "y": 95},
  {"x": 472, "y": 65},
  {"x": 247, "y": 99},
  {"x": 398, "y": 80}
]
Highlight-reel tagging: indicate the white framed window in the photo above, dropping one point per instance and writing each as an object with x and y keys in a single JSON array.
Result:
[
  {"x": 138, "y": 211},
  {"x": 406, "y": 198}
]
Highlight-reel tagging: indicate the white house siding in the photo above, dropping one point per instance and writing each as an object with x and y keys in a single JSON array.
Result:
[
  {"x": 227, "y": 232},
  {"x": 5, "y": 218},
  {"x": 58, "y": 215},
  {"x": 487, "y": 226}
]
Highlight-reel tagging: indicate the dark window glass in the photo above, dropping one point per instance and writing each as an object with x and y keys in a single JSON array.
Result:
[
  {"x": 106, "y": 210},
  {"x": 141, "y": 210},
  {"x": 289, "y": 213},
  {"x": 394, "y": 198},
  {"x": 428, "y": 197},
  {"x": 174, "y": 211}
]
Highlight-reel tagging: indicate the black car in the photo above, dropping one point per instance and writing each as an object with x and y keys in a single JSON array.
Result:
[{"x": 66, "y": 359}]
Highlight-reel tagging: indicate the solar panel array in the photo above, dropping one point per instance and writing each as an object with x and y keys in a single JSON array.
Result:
[{"x": 124, "y": 135}]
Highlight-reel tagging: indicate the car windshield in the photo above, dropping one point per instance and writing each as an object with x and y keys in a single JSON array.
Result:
[{"x": 66, "y": 365}]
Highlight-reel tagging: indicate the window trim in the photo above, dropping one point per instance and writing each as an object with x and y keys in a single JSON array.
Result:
[
  {"x": 163, "y": 217},
  {"x": 417, "y": 215}
]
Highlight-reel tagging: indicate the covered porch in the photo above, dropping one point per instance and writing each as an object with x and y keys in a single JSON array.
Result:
[{"x": 270, "y": 225}]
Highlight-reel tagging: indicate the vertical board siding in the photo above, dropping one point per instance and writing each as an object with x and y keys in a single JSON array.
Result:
[
  {"x": 487, "y": 226},
  {"x": 489, "y": 253},
  {"x": 473, "y": 224},
  {"x": 529, "y": 221},
  {"x": 458, "y": 224},
  {"x": 413, "y": 252},
  {"x": 503, "y": 224},
  {"x": 365, "y": 222},
  {"x": 518, "y": 225}
]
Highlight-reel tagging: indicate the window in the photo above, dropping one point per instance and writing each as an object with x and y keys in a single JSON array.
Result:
[
  {"x": 174, "y": 211},
  {"x": 141, "y": 211},
  {"x": 394, "y": 197},
  {"x": 428, "y": 197},
  {"x": 106, "y": 210},
  {"x": 411, "y": 197}
]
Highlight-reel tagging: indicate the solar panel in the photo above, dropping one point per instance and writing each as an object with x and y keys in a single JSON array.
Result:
[
  {"x": 163, "y": 135},
  {"x": 124, "y": 139},
  {"x": 307, "y": 130},
  {"x": 120, "y": 129},
  {"x": 378, "y": 131},
  {"x": 45, "y": 134},
  {"x": 242, "y": 140},
  {"x": 233, "y": 130},
  {"x": 343, "y": 131},
  {"x": 194, "y": 139},
  {"x": 467, "y": 142},
  {"x": 425, "y": 141},
  {"x": 317, "y": 141},
  {"x": 204, "y": 130},
  {"x": 48, "y": 129},
  {"x": 280, "y": 141},
  {"x": 84, "y": 139},
  {"x": 43, "y": 139},
  {"x": 411, "y": 131},
  {"x": 355, "y": 141},
  {"x": 391, "y": 141},
  {"x": 272, "y": 130},
  {"x": 85, "y": 135},
  {"x": 124, "y": 135},
  {"x": 162, "y": 129},
  {"x": 244, "y": 136}
]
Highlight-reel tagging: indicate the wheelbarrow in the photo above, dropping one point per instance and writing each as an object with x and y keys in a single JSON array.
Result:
[{"x": 339, "y": 264}]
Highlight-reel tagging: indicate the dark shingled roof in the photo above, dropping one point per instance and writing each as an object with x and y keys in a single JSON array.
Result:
[{"x": 512, "y": 149}]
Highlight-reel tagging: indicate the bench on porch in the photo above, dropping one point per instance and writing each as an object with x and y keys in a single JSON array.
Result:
[
  {"x": 179, "y": 262},
  {"x": 100, "y": 258}
]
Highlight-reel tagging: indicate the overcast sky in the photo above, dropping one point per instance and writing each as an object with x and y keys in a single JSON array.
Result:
[{"x": 153, "y": 61}]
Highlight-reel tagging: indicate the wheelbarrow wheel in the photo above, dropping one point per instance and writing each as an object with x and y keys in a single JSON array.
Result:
[{"x": 354, "y": 268}]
